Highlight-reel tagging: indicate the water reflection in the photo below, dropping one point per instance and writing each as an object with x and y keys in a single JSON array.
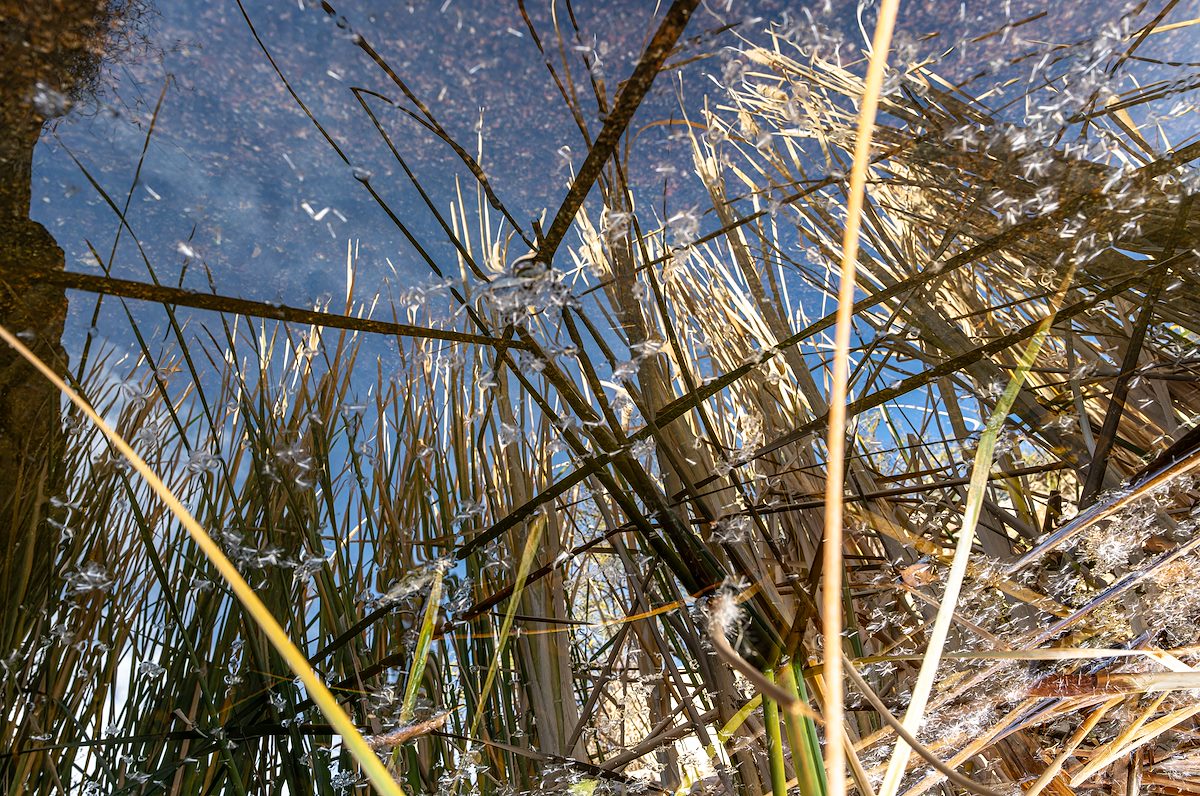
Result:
[
  {"x": 51, "y": 53},
  {"x": 236, "y": 189},
  {"x": 218, "y": 177}
]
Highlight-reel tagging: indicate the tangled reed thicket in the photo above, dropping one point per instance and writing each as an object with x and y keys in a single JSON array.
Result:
[{"x": 582, "y": 553}]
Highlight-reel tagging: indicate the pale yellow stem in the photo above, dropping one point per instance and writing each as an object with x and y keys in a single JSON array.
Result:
[{"x": 831, "y": 600}]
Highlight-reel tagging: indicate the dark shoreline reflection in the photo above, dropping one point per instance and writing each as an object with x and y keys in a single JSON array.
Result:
[{"x": 51, "y": 52}]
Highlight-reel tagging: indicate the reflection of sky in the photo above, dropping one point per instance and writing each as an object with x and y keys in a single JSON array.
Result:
[
  {"x": 236, "y": 173},
  {"x": 235, "y": 170}
]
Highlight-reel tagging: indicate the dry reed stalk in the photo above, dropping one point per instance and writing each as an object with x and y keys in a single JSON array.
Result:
[{"x": 831, "y": 594}]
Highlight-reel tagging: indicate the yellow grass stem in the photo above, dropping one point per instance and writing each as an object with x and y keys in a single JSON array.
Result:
[
  {"x": 421, "y": 653},
  {"x": 1070, "y": 746},
  {"x": 764, "y": 684},
  {"x": 324, "y": 699},
  {"x": 1187, "y": 23},
  {"x": 774, "y": 743},
  {"x": 802, "y": 736},
  {"x": 531, "y": 546},
  {"x": 1138, "y": 733},
  {"x": 831, "y": 598}
]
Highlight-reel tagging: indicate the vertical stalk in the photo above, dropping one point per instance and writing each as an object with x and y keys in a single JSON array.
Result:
[
  {"x": 774, "y": 741},
  {"x": 831, "y": 593},
  {"x": 802, "y": 736}
]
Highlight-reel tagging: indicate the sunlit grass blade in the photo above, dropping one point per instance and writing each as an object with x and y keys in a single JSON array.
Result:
[
  {"x": 831, "y": 587},
  {"x": 774, "y": 743},
  {"x": 424, "y": 640}
]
